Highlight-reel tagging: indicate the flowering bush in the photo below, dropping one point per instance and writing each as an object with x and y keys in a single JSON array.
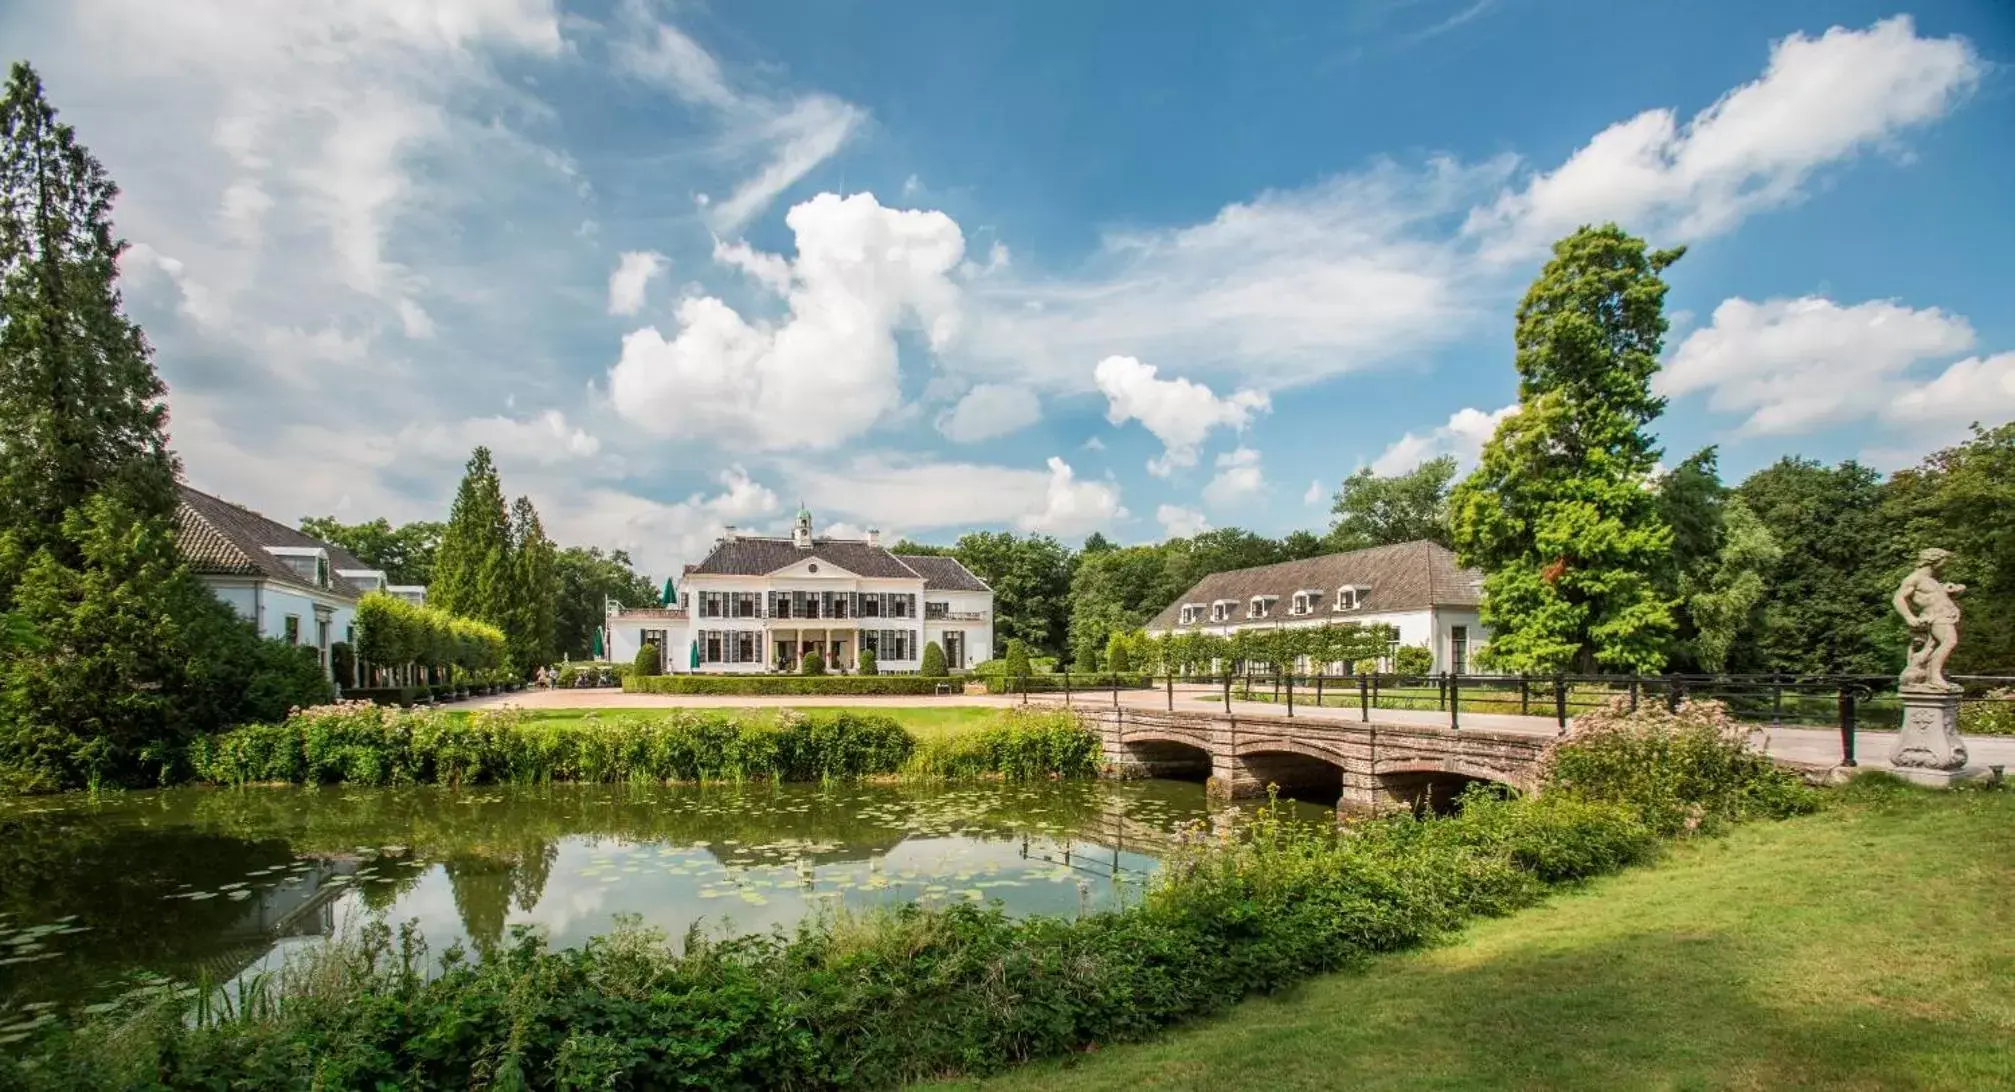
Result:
[{"x": 1681, "y": 770}]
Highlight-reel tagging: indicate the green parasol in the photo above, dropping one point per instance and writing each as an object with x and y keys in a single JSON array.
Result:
[
  {"x": 598, "y": 642},
  {"x": 696, "y": 655},
  {"x": 671, "y": 596}
]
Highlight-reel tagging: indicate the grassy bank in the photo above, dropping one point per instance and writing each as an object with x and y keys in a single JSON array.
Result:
[{"x": 1869, "y": 946}]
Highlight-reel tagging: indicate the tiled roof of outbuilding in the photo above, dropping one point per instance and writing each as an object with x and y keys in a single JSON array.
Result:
[
  {"x": 220, "y": 537},
  {"x": 1407, "y": 576}
]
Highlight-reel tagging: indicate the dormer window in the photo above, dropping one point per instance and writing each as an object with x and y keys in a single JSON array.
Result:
[
  {"x": 1220, "y": 611},
  {"x": 1191, "y": 614},
  {"x": 1304, "y": 601},
  {"x": 309, "y": 564},
  {"x": 1349, "y": 598},
  {"x": 1261, "y": 606}
]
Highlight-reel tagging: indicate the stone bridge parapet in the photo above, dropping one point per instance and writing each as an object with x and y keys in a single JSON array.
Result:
[{"x": 1373, "y": 765}]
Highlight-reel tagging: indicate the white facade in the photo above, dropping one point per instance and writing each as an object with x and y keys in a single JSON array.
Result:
[
  {"x": 286, "y": 612},
  {"x": 735, "y": 623}
]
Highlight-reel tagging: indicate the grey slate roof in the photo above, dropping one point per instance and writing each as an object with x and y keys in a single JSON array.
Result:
[
  {"x": 222, "y": 538},
  {"x": 943, "y": 573},
  {"x": 1407, "y": 576},
  {"x": 747, "y": 556}
]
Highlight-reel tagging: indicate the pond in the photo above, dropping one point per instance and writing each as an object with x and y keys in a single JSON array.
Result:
[{"x": 212, "y": 884}]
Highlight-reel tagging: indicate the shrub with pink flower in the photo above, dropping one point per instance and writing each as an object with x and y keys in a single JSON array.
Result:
[{"x": 1681, "y": 769}]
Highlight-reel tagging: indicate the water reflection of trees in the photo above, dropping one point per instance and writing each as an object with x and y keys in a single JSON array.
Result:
[
  {"x": 114, "y": 864},
  {"x": 113, "y": 877}
]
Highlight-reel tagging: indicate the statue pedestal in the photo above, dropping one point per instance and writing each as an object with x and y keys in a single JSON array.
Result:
[{"x": 1929, "y": 741}]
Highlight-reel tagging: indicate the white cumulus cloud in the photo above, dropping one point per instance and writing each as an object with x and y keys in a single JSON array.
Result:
[
  {"x": 1793, "y": 365},
  {"x": 1179, "y": 522},
  {"x": 1819, "y": 101},
  {"x": 1463, "y": 436},
  {"x": 1315, "y": 494},
  {"x": 829, "y": 369},
  {"x": 545, "y": 440},
  {"x": 635, "y": 270},
  {"x": 1972, "y": 390},
  {"x": 1238, "y": 478},
  {"x": 990, "y": 410},
  {"x": 1070, "y": 507},
  {"x": 1180, "y": 413}
]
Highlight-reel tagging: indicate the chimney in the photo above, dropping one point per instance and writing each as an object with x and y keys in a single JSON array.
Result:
[
  {"x": 728, "y": 533},
  {"x": 874, "y": 536}
]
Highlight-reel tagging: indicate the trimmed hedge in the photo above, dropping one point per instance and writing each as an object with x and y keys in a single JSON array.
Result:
[
  {"x": 390, "y": 695},
  {"x": 784, "y": 684},
  {"x": 598, "y": 674},
  {"x": 361, "y": 744},
  {"x": 1097, "y": 680}
]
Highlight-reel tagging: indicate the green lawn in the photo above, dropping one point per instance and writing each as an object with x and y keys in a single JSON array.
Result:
[
  {"x": 1871, "y": 946},
  {"x": 924, "y": 722}
]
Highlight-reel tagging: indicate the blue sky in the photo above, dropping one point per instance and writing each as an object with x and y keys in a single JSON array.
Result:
[{"x": 1128, "y": 267}]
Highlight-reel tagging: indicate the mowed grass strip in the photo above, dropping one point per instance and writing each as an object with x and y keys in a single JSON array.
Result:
[{"x": 1871, "y": 946}]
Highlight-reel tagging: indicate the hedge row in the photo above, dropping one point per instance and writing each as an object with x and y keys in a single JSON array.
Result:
[
  {"x": 786, "y": 684},
  {"x": 1039, "y": 683},
  {"x": 358, "y": 743}
]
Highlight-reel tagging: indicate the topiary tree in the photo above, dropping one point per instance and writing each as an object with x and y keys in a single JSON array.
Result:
[
  {"x": 934, "y": 660},
  {"x": 814, "y": 664},
  {"x": 1412, "y": 660},
  {"x": 1118, "y": 656},
  {"x": 868, "y": 662},
  {"x": 1017, "y": 659},
  {"x": 646, "y": 663}
]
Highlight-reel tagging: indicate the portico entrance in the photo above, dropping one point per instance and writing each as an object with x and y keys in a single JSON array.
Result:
[{"x": 791, "y": 646}]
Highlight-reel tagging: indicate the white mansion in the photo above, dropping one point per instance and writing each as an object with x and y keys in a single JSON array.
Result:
[
  {"x": 1418, "y": 588},
  {"x": 759, "y": 604}
]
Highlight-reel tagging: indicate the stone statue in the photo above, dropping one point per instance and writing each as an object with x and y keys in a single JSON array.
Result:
[
  {"x": 1928, "y": 747},
  {"x": 1925, "y": 602}
]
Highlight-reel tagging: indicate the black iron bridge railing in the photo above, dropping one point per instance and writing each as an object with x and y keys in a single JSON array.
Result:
[{"x": 1849, "y": 703}]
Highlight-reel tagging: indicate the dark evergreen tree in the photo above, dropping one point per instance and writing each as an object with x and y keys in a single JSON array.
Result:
[
  {"x": 532, "y": 591},
  {"x": 127, "y": 654},
  {"x": 81, "y": 411},
  {"x": 472, "y": 564}
]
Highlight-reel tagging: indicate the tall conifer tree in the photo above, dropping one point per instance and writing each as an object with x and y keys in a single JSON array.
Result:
[
  {"x": 1559, "y": 513},
  {"x": 472, "y": 565},
  {"x": 125, "y": 653},
  {"x": 534, "y": 589}
]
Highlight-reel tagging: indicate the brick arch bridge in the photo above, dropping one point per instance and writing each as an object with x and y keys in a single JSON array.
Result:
[{"x": 1371, "y": 765}]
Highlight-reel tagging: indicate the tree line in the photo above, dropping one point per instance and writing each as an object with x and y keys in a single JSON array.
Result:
[{"x": 499, "y": 567}]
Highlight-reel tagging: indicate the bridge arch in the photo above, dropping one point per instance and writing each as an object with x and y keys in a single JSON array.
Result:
[
  {"x": 1178, "y": 756},
  {"x": 1435, "y": 786},
  {"x": 1314, "y": 775}
]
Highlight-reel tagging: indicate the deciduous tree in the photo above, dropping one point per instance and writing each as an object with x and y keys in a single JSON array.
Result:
[
  {"x": 1558, "y": 514},
  {"x": 1380, "y": 511}
]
